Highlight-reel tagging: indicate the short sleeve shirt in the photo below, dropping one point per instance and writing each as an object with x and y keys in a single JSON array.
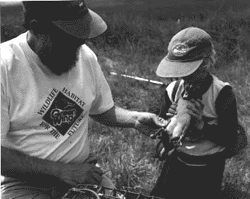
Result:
[{"x": 47, "y": 117}]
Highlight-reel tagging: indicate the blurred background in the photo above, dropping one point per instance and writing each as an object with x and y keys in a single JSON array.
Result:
[{"x": 135, "y": 42}]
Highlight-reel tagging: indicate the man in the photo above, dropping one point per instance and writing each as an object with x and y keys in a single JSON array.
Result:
[
  {"x": 194, "y": 169},
  {"x": 51, "y": 83}
]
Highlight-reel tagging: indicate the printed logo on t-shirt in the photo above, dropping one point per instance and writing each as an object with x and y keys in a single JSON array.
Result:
[{"x": 62, "y": 112}]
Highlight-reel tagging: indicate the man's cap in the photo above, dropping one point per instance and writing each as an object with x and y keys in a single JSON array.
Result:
[
  {"x": 73, "y": 17},
  {"x": 186, "y": 52}
]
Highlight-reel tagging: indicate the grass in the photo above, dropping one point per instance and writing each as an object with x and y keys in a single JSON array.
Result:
[{"x": 134, "y": 44}]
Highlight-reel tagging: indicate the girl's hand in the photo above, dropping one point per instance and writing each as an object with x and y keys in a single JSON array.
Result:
[
  {"x": 195, "y": 109},
  {"x": 172, "y": 110}
]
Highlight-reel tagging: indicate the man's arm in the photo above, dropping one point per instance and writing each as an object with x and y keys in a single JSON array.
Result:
[
  {"x": 119, "y": 117},
  {"x": 20, "y": 166}
]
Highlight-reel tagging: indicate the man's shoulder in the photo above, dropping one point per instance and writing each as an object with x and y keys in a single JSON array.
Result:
[
  {"x": 9, "y": 49},
  {"x": 7, "y": 56},
  {"x": 6, "y": 50},
  {"x": 11, "y": 56}
]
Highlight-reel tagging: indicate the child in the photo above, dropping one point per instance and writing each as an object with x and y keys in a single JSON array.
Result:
[{"x": 195, "y": 168}]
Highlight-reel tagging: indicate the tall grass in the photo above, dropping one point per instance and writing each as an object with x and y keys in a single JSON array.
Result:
[{"x": 134, "y": 44}]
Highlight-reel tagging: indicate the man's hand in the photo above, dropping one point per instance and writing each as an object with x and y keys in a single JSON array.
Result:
[
  {"x": 149, "y": 122},
  {"x": 86, "y": 173}
]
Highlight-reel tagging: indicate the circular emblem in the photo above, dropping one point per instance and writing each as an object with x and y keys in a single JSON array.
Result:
[{"x": 180, "y": 49}]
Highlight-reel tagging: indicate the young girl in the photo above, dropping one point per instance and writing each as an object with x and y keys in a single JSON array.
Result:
[{"x": 195, "y": 168}]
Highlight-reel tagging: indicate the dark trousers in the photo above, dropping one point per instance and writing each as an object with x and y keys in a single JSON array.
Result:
[{"x": 181, "y": 180}]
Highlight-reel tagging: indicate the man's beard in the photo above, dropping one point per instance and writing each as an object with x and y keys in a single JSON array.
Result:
[{"x": 59, "y": 62}]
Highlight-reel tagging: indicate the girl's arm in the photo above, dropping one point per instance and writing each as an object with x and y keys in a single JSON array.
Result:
[{"x": 225, "y": 132}]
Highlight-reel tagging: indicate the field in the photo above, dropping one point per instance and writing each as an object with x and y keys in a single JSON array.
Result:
[{"x": 134, "y": 44}]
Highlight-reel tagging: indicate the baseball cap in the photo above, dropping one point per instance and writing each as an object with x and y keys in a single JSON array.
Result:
[
  {"x": 186, "y": 51},
  {"x": 73, "y": 17}
]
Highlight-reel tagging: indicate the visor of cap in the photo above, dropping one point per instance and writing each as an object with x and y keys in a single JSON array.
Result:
[
  {"x": 172, "y": 69},
  {"x": 74, "y": 18},
  {"x": 88, "y": 26}
]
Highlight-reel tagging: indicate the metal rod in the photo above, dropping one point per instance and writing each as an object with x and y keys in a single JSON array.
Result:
[{"x": 138, "y": 78}]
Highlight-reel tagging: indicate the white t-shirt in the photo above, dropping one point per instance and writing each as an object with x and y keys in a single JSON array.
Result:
[{"x": 47, "y": 116}]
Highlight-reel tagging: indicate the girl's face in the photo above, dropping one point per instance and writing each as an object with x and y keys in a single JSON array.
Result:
[{"x": 197, "y": 77}]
